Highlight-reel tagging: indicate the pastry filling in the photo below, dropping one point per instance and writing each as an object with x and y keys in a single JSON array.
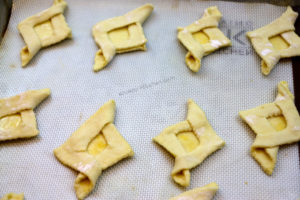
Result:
[
  {"x": 44, "y": 30},
  {"x": 277, "y": 122},
  {"x": 201, "y": 37},
  {"x": 188, "y": 140},
  {"x": 97, "y": 145},
  {"x": 278, "y": 42},
  {"x": 10, "y": 122},
  {"x": 119, "y": 35}
]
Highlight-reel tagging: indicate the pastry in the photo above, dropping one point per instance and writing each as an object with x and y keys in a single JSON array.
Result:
[
  {"x": 13, "y": 196},
  {"x": 274, "y": 124},
  {"x": 120, "y": 34},
  {"x": 92, "y": 148},
  {"x": 202, "y": 193},
  {"x": 202, "y": 37},
  {"x": 43, "y": 29},
  {"x": 190, "y": 142},
  {"x": 276, "y": 40},
  {"x": 17, "y": 119}
]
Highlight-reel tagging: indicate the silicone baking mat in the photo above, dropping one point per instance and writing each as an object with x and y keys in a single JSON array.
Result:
[{"x": 151, "y": 90}]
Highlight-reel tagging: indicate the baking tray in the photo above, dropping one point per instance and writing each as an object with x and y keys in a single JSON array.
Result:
[
  {"x": 150, "y": 89},
  {"x": 5, "y": 11}
]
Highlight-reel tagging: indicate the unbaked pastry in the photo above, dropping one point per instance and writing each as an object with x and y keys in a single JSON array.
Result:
[
  {"x": 202, "y": 37},
  {"x": 13, "y": 196},
  {"x": 275, "y": 124},
  {"x": 206, "y": 192},
  {"x": 120, "y": 34},
  {"x": 43, "y": 29},
  {"x": 276, "y": 40},
  {"x": 190, "y": 142},
  {"x": 17, "y": 119},
  {"x": 95, "y": 146}
]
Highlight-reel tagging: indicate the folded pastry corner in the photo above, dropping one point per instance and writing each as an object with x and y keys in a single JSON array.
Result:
[
  {"x": 276, "y": 40},
  {"x": 17, "y": 119},
  {"x": 43, "y": 29},
  {"x": 120, "y": 34},
  {"x": 206, "y": 192},
  {"x": 202, "y": 37},
  {"x": 190, "y": 142},
  {"x": 13, "y": 196},
  {"x": 92, "y": 148},
  {"x": 274, "y": 124}
]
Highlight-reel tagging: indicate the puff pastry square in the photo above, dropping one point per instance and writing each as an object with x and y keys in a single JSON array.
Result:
[
  {"x": 275, "y": 124},
  {"x": 43, "y": 29},
  {"x": 13, "y": 196},
  {"x": 120, "y": 34},
  {"x": 92, "y": 148},
  {"x": 206, "y": 192},
  {"x": 190, "y": 142},
  {"x": 202, "y": 37},
  {"x": 17, "y": 119},
  {"x": 276, "y": 40}
]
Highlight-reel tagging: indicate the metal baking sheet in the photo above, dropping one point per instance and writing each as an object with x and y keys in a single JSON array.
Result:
[
  {"x": 151, "y": 90},
  {"x": 5, "y": 11}
]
